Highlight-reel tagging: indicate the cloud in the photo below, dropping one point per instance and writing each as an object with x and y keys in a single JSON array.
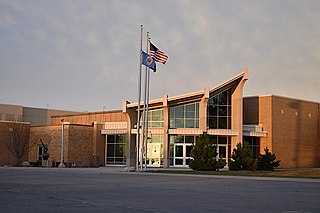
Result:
[{"x": 85, "y": 55}]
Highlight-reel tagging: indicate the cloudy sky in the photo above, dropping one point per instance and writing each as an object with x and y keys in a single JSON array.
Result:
[{"x": 84, "y": 55}]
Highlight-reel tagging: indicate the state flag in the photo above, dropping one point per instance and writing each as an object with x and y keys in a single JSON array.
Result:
[{"x": 148, "y": 61}]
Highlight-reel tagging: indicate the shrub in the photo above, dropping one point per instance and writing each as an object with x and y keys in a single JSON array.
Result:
[
  {"x": 242, "y": 158},
  {"x": 204, "y": 155},
  {"x": 267, "y": 161}
]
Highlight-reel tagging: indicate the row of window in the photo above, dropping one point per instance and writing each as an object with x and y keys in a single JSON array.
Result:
[
  {"x": 187, "y": 116},
  {"x": 219, "y": 111},
  {"x": 179, "y": 149},
  {"x": 184, "y": 116}
]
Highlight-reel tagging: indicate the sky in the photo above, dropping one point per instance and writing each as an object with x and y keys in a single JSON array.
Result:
[{"x": 84, "y": 55}]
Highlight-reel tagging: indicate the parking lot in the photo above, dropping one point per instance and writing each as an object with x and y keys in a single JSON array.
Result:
[{"x": 109, "y": 189}]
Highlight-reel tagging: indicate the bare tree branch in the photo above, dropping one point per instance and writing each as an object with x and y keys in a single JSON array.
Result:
[{"x": 18, "y": 145}]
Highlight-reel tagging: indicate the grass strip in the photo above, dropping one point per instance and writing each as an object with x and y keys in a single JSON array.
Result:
[{"x": 278, "y": 173}]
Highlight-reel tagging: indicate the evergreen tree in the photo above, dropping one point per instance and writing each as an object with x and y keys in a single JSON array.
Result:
[
  {"x": 204, "y": 155},
  {"x": 267, "y": 161},
  {"x": 242, "y": 158}
]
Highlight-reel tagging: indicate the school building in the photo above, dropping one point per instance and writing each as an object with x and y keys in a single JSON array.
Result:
[{"x": 288, "y": 127}]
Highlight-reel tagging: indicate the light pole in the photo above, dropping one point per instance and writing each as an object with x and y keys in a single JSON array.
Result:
[{"x": 62, "y": 165}]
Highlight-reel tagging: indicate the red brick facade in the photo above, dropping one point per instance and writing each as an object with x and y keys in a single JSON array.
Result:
[{"x": 292, "y": 128}]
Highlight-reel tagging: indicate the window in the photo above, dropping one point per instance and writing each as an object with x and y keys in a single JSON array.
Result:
[
  {"x": 180, "y": 149},
  {"x": 185, "y": 116},
  {"x": 155, "y": 118},
  {"x": 253, "y": 144},
  {"x": 40, "y": 152},
  {"x": 223, "y": 144},
  {"x": 219, "y": 111},
  {"x": 116, "y": 150}
]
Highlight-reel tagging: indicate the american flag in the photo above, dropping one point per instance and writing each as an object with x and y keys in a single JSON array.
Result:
[{"x": 157, "y": 54}]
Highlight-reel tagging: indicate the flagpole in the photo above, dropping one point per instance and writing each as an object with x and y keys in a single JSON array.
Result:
[
  {"x": 145, "y": 115},
  {"x": 143, "y": 123},
  {"x": 139, "y": 100},
  {"x": 147, "y": 104}
]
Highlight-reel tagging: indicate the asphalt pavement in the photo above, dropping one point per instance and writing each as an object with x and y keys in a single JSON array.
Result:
[{"x": 111, "y": 189}]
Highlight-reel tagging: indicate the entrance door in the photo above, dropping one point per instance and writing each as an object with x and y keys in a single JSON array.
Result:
[
  {"x": 154, "y": 154},
  {"x": 182, "y": 154},
  {"x": 222, "y": 151}
]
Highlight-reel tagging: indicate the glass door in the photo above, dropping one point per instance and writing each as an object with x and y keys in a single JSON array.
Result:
[
  {"x": 154, "y": 154},
  {"x": 188, "y": 148},
  {"x": 182, "y": 154},
  {"x": 178, "y": 155},
  {"x": 222, "y": 151}
]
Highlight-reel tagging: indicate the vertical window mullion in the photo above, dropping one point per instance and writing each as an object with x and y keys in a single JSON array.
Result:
[
  {"x": 184, "y": 116},
  {"x": 114, "y": 148}
]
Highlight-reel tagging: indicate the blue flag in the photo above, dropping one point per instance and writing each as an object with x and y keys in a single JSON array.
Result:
[{"x": 148, "y": 61}]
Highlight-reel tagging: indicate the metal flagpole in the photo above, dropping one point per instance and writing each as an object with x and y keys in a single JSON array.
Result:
[
  {"x": 139, "y": 100},
  {"x": 145, "y": 135},
  {"x": 143, "y": 129},
  {"x": 147, "y": 115},
  {"x": 147, "y": 104}
]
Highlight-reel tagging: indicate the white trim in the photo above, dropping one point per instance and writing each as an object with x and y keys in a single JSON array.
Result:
[
  {"x": 113, "y": 131},
  {"x": 185, "y": 131},
  {"x": 222, "y": 132},
  {"x": 115, "y": 125},
  {"x": 254, "y": 130},
  {"x": 153, "y": 131},
  {"x": 244, "y": 74}
]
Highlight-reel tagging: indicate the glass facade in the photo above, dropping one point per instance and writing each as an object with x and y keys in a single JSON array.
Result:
[
  {"x": 253, "y": 144},
  {"x": 116, "y": 150},
  {"x": 184, "y": 116},
  {"x": 219, "y": 111},
  {"x": 155, "y": 118},
  {"x": 223, "y": 144},
  {"x": 180, "y": 149}
]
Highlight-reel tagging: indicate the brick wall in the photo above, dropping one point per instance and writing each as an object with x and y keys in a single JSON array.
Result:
[
  {"x": 265, "y": 118},
  {"x": 258, "y": 110},
  {"x": 77, "y": 143},
  {"x": 89, "y": 118},
  {"x": 293, "y": 128},
  {"x": 296, "y": 132},
  {"x": 51, "y": 136}
]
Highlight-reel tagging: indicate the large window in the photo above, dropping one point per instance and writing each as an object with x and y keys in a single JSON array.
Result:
[
  {"x": 116, "y": 150},
  {"x": 185, "y": 116},
  {"x": 219, "y": 111},
  {"x": 223, "y": 144},
  {"x": 253, "y": 144},
  {"x": 155, "y": 118},
  {"x": 180, "y": 149}
]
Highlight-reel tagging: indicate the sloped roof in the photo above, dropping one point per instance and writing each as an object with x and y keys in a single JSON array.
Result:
[{"x": 194, "y": 96}]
